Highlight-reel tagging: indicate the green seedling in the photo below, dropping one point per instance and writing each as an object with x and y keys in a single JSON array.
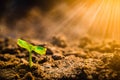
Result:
[{"x": 38, "y": 49}]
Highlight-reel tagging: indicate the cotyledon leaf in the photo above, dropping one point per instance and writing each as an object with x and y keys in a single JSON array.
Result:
[
  {"x": 24, "y": 44},
  {"x": 40, "y": 50}
]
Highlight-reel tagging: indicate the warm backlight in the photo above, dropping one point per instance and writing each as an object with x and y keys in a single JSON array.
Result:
[{"x": 98, "y": 18}]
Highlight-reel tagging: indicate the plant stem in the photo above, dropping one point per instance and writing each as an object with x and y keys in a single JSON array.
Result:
[{"x": 30, "y": 59}]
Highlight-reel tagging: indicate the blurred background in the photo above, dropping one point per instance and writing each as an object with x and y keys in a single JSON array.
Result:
[{"x": 43, "y": 19}]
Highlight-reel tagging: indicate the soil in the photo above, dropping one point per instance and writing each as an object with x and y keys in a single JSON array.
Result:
[{"x": 86, "y": 60}]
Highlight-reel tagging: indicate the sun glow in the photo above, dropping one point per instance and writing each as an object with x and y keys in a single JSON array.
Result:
[
  {"x": 98, "y": 18},
  {"x": 106, "y": 21}
]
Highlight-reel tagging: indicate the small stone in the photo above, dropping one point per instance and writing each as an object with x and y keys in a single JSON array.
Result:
[{"x": 57, "y": 56}]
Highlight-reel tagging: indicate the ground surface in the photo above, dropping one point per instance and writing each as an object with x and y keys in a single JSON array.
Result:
[{"x": 86, "y": 60}]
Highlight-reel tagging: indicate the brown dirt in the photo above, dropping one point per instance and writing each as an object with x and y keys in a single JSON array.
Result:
[{"x": 87, "y": 60}]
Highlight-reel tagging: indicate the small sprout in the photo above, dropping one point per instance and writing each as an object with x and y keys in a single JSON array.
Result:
[{"x": 38, "y": 49}]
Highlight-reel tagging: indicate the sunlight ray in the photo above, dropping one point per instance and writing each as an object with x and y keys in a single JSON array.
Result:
[{"x": 98, "y": 18}]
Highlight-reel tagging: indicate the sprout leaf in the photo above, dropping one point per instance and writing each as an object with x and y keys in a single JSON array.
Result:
[
  {"x": 24, "y": 44},
  {"x": 40, "y": 50}
]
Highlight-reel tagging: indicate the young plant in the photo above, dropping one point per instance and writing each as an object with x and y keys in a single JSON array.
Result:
[{"x": 38, "y": 49}]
